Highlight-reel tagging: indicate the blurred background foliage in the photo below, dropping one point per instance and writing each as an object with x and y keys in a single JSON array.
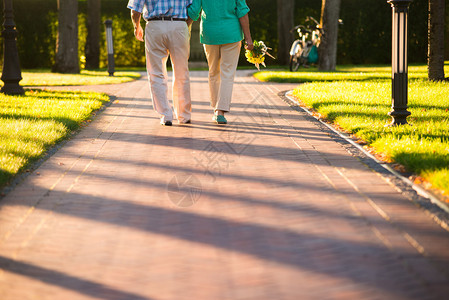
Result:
[{"x": 365, "y": 37}]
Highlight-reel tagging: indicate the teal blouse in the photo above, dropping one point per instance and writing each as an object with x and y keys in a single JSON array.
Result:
[{"x": 219, "y": 20}]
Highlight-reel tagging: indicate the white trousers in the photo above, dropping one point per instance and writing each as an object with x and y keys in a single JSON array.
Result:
[
  {"x": 223, "y": 61},
  {"x": 164, "y": 38}
]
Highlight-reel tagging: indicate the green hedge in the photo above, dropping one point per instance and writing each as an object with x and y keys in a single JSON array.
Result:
[{"x": 364, "y": 38}]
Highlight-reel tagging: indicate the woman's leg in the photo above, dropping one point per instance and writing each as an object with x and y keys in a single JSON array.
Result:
[
  {"x": 229, "y": 60},
  {"x": 213, "y": 60}
]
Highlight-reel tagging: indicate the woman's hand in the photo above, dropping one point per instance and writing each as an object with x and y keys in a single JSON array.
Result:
[{"x": 249, "y": 45}]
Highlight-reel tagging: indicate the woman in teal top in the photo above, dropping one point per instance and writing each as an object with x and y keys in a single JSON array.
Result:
[{"x": 224, "y": 23}]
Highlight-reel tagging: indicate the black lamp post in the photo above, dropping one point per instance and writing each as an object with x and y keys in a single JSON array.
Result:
[
  {"x": 110, "y": 45},
  {"x": 399, "y": 65},
  {"x": 11, "y": 74}
]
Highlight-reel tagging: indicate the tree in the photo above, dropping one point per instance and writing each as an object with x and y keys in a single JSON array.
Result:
[
  {"x": 66, "y": 58},
  {"x": 92, "y": 49},
  {"x": 436, "y": 40},
  {"x": 285, "y": 9},
  {"x": 330, "y": 11}
]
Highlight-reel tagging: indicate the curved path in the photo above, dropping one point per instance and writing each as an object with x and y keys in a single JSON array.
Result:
[{"x": 267, "y": 207}]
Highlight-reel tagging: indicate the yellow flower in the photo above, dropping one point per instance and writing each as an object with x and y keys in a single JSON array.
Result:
[{"x": 257, "y": 55}]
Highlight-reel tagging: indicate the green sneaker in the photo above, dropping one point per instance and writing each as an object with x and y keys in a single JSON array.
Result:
[{"x": 219, "y": 119}]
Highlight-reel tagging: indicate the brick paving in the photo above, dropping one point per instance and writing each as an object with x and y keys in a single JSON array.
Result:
[{"x": 267, "y": 207}]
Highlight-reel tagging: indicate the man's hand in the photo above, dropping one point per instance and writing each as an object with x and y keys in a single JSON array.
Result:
[
  {"x": 189, "y": 21},
  {"x": 138, "y": 31}
]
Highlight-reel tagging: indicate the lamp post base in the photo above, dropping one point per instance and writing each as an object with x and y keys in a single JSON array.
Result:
[
  {"x": 12, "y": 88},
  {"x": 399, "y": 117}
]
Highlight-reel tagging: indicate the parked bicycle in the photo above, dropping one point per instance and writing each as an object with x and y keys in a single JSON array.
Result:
[{"x": 304, "y": 51}]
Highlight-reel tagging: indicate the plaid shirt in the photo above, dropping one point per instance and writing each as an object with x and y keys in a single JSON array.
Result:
[{"x": 156, "y": 8}]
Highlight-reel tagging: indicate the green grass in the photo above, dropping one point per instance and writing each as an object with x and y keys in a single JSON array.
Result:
[
  {"x": 47, "y": 78},
  {"x": 31, "y": 124},
  {"x": 358, "y": 100}
]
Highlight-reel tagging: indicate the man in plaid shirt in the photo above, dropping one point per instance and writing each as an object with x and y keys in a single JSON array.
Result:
[{"x": 166, "y": 33}]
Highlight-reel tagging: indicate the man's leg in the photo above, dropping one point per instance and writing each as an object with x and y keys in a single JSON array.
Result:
[
  {"x": 229, "y": 61},
  {"x": 156, "y": 58},
  {"x": 213, "y": 60},
  {"x": 179, "y": 47}
]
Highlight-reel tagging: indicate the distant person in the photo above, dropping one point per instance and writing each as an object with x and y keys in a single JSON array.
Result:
[
  {"x": 224, "y": 23},
  {"x": 166, "y": 33}
]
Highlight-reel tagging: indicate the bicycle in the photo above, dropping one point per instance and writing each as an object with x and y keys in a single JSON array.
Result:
[{"x": 304, "y": 51}]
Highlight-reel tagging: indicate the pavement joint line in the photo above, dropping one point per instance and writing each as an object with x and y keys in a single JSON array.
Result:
[
  {"x": 376, "y": 231},
  {"x": 33, "y": 233},
  {"x": 415, "y": 244},
  {"x": 420, "y": 191},
  {"x": 385, "y": 215},
  {"x": 382, "y": 238},
  {"x": 379, "y": 210}
]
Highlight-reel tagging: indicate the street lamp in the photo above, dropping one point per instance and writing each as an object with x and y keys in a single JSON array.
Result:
[
  {"x": 399, "y": 65},
  {"x": 11, "y": 74},
  {"x": 110, "y": 45}
]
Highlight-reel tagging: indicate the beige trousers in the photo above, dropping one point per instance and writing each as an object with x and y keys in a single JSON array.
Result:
[
  {"x": 164, "y": 38},
  {"x": 223, "y": 61}
]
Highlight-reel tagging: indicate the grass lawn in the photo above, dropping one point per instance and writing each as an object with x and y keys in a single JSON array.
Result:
[
  {"x": 31, "y": 124},
  {"x": 357, "y": 99},
  {"x": 47, "y": 78}
]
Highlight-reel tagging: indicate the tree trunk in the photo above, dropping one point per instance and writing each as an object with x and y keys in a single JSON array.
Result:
[
  {"x": 330, "y": 11},
  {"x": 285, "y": 13},
  {"x": 446, "y": 44},
  {"x": 92, "y": 50},
  {"x": 436, "y": 40},
  {"x": 66, "y": 59}
]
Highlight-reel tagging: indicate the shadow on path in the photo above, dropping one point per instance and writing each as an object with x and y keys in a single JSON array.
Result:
[{"x": 82, "y": 286}]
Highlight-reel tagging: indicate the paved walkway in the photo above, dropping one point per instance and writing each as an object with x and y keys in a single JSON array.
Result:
[{"x": 268, "y": 207}]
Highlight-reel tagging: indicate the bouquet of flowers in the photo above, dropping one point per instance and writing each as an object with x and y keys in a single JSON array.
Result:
[{"x": 257, "y": 55}]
